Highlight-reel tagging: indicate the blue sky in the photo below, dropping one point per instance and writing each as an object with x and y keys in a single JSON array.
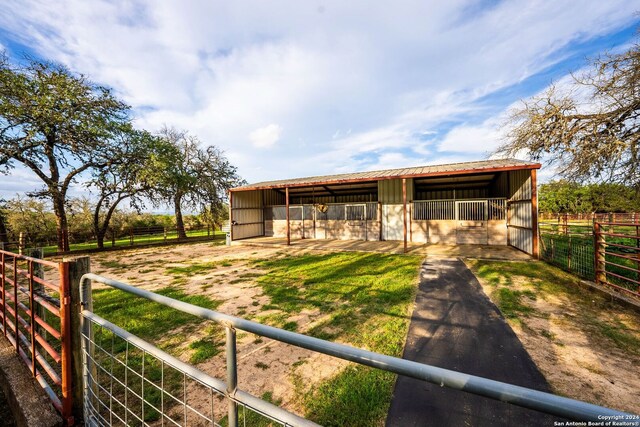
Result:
[{"x": 290, "y": 88}]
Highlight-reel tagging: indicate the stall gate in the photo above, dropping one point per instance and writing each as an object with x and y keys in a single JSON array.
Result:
[{"x": 471, "y": 222}]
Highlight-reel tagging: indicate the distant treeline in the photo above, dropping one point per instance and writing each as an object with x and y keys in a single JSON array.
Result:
[
  {"x": 35, "y": 219},
  {"x": 570, "y": 197}
]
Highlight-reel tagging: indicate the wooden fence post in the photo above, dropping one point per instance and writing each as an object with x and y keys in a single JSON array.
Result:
[{"x": 77, "y": 267}]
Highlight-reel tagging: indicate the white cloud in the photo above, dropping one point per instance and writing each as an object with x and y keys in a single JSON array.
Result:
[
  {"x": 266, "y": 136},
  {"x": 387, "y": 77}
]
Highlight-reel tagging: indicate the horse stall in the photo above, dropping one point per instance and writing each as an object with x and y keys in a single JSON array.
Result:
[{"x": 490, "y": 202}]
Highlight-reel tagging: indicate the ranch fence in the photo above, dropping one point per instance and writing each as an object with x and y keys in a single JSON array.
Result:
[
  {"x": 605, "y": 252},
  {"x": 565, "y": 218},
  {"x": 115, "y": 378},
  {"x": 36, "y": 319},
  {"x": 128, "y": 381},
  {"x": 117, "y": 238}
]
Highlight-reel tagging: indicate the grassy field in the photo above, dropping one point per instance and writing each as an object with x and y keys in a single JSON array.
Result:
[
  {"x": 367, "y": 297},
  {"x": 584, "y": 343},
  {"x": 361, "y": 299},
  {"x": 142, "y": 239}
]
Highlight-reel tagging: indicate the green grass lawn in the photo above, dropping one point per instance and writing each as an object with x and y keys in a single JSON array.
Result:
[
  {"x": 367, "y": 298},
  {"x": 126, "y": 241},
  {"x": 363, "y": 299},
  {"x": 584, "y": 342}
]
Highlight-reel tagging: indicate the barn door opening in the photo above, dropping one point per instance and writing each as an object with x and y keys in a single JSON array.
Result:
[{"x": 471, "y": 222}]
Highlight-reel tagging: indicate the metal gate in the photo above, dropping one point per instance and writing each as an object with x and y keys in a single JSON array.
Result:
[
  {"x": 471, "y": 222},
  {"x": 121, "y": 389},
  {"x": 35, "y": 316},
  {"x": 356, "y": 217}
]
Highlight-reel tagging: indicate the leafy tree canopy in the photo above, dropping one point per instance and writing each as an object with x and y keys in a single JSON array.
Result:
[
  {"x": 569, "y": 197},
  {"x": 58, "y": 124}
]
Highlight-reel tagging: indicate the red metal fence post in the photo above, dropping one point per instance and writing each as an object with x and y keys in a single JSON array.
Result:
[
  {"x": 15, "y": 301},
  {"x": 32, "y": 318},
  {"x": 4, "y": 296}
]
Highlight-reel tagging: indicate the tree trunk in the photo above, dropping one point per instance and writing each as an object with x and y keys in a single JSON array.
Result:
[
  {"x": 61, "y": 222},
  {"x": 179, "y": 221},
  {"x": 101, "y": 230}
]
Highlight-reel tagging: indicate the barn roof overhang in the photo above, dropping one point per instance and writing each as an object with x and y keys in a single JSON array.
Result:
[{"x": 468, "y": 174}]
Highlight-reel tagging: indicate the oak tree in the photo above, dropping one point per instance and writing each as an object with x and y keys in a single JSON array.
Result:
[{"x": 59, "y": 125}]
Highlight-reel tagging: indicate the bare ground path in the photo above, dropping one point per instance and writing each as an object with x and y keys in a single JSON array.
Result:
[{"x": 455, "y": 326}]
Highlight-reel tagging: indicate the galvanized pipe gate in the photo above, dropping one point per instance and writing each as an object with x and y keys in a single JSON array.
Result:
[{"x": 101, "y": 412}]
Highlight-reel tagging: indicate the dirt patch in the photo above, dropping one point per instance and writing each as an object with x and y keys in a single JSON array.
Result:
[
  {"x": 583, "y": 343},
  {"x": 227, "y": 274}
]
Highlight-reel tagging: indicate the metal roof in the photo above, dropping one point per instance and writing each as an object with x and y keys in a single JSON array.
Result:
[{"x": 483, "y": 166}]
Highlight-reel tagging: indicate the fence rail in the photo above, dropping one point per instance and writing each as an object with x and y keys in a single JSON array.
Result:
[
  {"x": 633, "y": 217},
  {"x": 36, "y": 319},
  {"x": 128, "y": 237},
  {"x": 101, "y": 397},
  {"x": 606, "y": 252},
  {"x": 617, "y": 256}
]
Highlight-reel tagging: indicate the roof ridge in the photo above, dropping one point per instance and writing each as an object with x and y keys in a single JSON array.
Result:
[{"x": 389, "y": 173}]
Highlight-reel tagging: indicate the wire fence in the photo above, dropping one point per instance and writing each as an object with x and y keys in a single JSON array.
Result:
[
  {"x": 632, "y": 217},
  {"x": 129, "y": 237},
  {"x": 606, "y": 252},
  {"x": 570, "y": 248},
  {"x": 128, "y": 381}
]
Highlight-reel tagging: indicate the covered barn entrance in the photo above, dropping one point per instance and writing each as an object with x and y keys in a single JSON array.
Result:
[{"x": 490, "y": 202}]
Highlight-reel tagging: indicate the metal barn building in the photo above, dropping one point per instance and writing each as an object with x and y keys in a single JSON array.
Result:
[{"x": 492, "y": 202}]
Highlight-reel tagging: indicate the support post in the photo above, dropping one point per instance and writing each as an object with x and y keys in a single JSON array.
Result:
[
  {"x": 72, "y": 269},
  {"x": 286, "y": 195},
  {"x": 404, "y": 212},
  {"x": 534, "y": 214},
  {"x": 232, "y": 376},
  {"x": 380, "y": 221},
  {"x": 230, "y": 216}
]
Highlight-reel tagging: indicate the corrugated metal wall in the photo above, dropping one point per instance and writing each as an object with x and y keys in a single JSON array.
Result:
[
  {"x": 337, "y": 199},
  {"x": 519, "y": 214},
  {"x": 390, "y": 191},
  {"x": 463, "y": 193},
  {"x": 247, "y": 212},
  {"x": 273, "y": 197},
  {"x": 500, "y": 186}
]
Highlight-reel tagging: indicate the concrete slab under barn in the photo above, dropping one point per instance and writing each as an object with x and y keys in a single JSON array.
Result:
[
  {"x": 492, "y": 202},
  {"x": 495, "y": 252}
]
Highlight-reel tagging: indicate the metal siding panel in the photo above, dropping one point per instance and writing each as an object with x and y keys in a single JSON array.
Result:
[
  {"x": 247, "y": 199},
  {"x": 390, "y": 191},
  {"x": 247, "y": 213},
  {"x": 520, "y": 185}
]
